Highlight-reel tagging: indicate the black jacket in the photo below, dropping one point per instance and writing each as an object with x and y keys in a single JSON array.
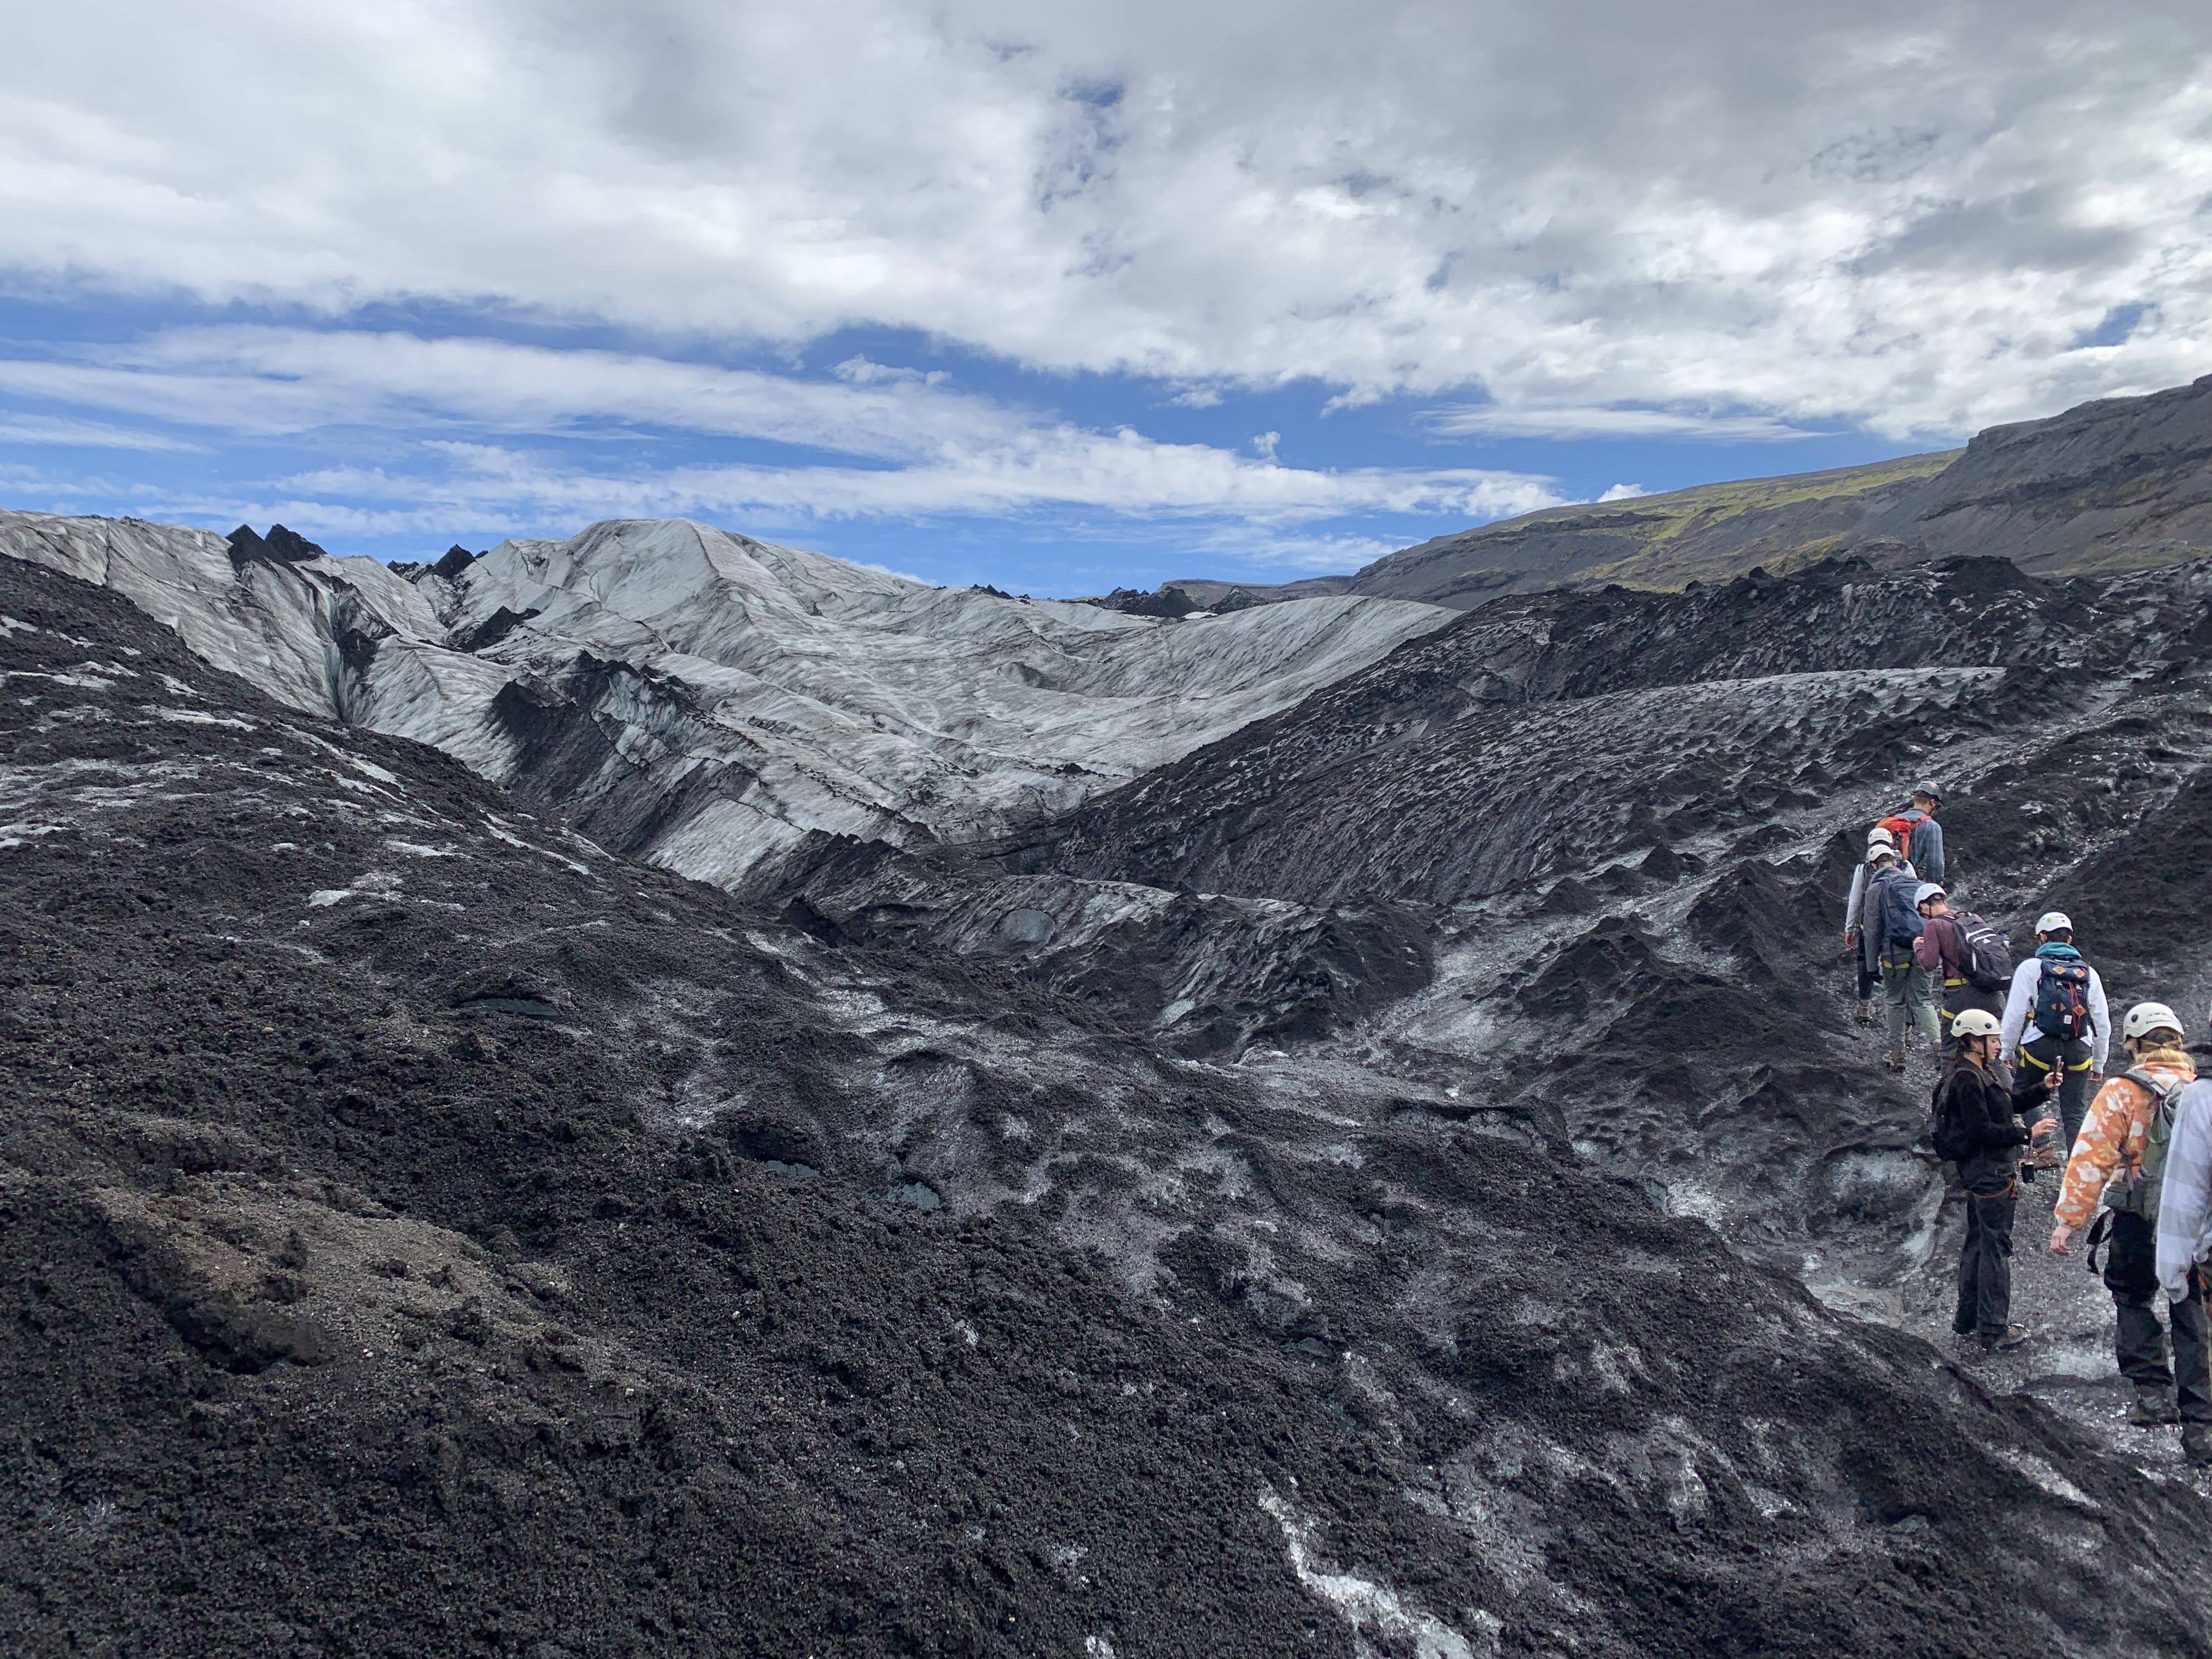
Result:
[{"x": 1985, "y": 1111}]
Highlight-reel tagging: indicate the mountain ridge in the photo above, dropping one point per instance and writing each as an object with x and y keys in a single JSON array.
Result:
[{"x": 2112, "y": 484}]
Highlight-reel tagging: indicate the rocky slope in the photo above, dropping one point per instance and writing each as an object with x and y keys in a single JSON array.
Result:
[
  {"x": 1625, "y": 821},
  {"x": 2118, "y": 484},
  {"x": 399, "y": 1190},
  {"x": 711, "y": 703}
]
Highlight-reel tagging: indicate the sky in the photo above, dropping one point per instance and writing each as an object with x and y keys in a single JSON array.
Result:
[{"x": 1066, "y": 297}]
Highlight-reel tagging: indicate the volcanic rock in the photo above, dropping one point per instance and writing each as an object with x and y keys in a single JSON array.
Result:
[{"x": 635, "y": 1336}]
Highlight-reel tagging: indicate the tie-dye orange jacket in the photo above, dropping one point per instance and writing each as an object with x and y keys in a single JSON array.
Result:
[{"x": 2112, "y": 1138}]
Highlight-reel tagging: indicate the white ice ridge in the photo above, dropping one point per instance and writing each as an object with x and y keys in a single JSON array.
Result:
[{"x": 743, "y": 695}]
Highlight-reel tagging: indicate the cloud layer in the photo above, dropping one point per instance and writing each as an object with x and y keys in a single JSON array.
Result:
[{"x": 1597, "y": 220}]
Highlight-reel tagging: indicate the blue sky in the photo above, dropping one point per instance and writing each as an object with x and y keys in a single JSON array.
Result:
[{"x": 1057, "y": 301}]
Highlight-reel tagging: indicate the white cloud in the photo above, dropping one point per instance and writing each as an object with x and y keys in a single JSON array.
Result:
[
  {"x": 937, "y": 451},
  {"x": 1623, "y": 492},
  {"x": 285, "y": 381},
  {"x": 1898, "y": 215},
  {"x": 1061, "y": 467},
  {"x": 1558, "y": 422},
  {"x": 21, "y": 428}
]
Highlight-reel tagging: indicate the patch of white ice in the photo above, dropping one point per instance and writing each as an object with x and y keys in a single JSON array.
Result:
[{"x": 1361, "y": 1602}]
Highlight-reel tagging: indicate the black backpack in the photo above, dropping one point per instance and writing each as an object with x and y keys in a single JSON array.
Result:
[
  {"x": 1985, "y": 954},
  {"x": 2062, "y": 1000}
]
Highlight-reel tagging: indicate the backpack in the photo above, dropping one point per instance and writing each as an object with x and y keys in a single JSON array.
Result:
[
  {"x": 2062, "y": 1000},
  {"x": 1901, "y": 830},
  {"x": 1901, "y": 921},
  {"x": 1949, "y": 1132},
  {"x": 1985, "y": 954},
  {"x": 2138, "y": 1194}
]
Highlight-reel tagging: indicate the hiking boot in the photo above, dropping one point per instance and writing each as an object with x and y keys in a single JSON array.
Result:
[
  {"x": 1894, "y": 1060},
  {"x": 2013, "y": 1336},
  {"x": 1867, "y": 1015},
  {"x": 2153, "y": 1407},
  {"x": 2197, "y": 1442}
]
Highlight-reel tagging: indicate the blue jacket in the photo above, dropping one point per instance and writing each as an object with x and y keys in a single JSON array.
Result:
[
  {"x": 1924, "y": 852},
  {"x": 1889, "y": 898}
]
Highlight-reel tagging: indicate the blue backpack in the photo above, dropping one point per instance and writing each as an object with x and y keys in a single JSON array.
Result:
[
  {"x": 1901, "y": 921},
  {"x": 2062, "y": 999}
]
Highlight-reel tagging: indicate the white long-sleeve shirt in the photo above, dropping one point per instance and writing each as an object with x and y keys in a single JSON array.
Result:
[
  {"x": 2184, "y": 1199},
  {"x": 2020, "y": 1024}
]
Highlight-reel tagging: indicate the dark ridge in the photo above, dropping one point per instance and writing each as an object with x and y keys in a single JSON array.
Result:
[
  {"x": 279, "y": 546},
  {"x": 493, "y": 628}
]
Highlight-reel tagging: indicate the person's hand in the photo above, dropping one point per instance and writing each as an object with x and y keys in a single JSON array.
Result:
[
  {"x": 2053, "y": 1082},
  {"x": 2060, "y": 1236},
  {"x": 2042, "y": 1127},
  {"x": 1850, "y": 938}
]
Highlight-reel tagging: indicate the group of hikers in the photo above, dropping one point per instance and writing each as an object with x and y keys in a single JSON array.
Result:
[{"x": 2020, "y": 1048}]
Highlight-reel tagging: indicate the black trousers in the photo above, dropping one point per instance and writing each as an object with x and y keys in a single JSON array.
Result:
[
  {"x": 2131, "y": 1275},
  {"x": 2037, "y": 1060},
  {"x": 1985, "y": 1265}
]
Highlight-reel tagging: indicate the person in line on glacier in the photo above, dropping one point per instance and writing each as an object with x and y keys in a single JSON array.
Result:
[
  {"x": 1917, "y": 836},
  {"x": 2184, "y": 1232},
  {"x": 2057, "y": 1026},
  {"x": 1976, "y": 1126},
  {"x": 1965, "y": 957},
  {"x": 2116, "y": 1174},
  {"x": 1907, "y": 990},
  {"x": 1860, "y": 939}
]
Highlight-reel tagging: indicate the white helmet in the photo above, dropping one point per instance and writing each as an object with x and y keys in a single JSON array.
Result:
[
  {"x": 2147, "y": 1017},
  {"x": 1927, "y": 889},
  {"x": 2054, "y": 922},
  {"x": 1875, "y": 853},
  {"x": 1974, "y": 1023},
  {"x": 1878, "y": 837}
]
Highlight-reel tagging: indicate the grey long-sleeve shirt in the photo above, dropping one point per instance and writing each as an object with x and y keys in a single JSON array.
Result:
[
  {"x": 2184, "y": 1199},
  {"x": 1925, "y": 854},
  {"x": 1859, "y": 914}
]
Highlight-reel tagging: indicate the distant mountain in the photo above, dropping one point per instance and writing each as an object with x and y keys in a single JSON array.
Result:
[
  {"x": 1710, "y": 533},
  {"x": 705, "y": 702},
  {"x": 2119, "y": 484}
]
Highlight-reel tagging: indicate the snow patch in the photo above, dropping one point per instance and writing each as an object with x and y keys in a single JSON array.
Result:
[
  {"x": 1361, "y": 1602},
  {"x": 413, "y": 849},
  {"x": 2027, "y": 1463},
  {"x": 200, "y": 717}
]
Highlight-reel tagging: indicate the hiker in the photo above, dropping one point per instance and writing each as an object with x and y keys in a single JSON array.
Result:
[
  {"x": 2117, "y": 1167},
  {"x": 1976, "y": 1127},
  {"x": 2185, "y": 1227},
  {"x": 1907, "y": 989},
  {"x": 1918, "y": 838},
  {"x": 1862, "y": 940},
  {"x": 1967, "y": 958},
  {"x": 2056, "y": 1022}
]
